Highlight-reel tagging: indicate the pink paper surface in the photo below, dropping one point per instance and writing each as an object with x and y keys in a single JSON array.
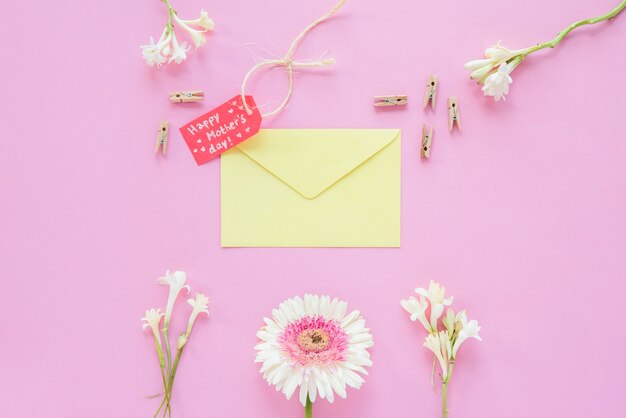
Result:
[{"x": 521, "y": 215}]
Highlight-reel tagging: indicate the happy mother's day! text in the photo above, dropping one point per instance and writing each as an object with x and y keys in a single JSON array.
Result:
[{"x": 220, "y": 129}]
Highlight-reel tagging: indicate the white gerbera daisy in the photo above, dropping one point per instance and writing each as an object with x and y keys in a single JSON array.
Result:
[{"x": 313, "y": 345}]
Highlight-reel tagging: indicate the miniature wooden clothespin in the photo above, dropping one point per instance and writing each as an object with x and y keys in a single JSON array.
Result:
[
  {"x": 391, "y": 100},
  {"x": 186, "y": 96},
  {"x": 161, "y": 141},
  {"x": 431, "y": 91},
  {"x": 453, "y": 113},
  {"x": 427, "y": 140}
]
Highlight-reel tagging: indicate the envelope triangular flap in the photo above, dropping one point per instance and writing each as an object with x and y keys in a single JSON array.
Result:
[{"x": 311, "y": 160}]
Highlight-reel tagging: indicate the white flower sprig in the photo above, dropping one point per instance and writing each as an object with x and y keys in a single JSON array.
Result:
[
  {"x": 443, "y": 343},
  {"x": 494, "y": 71},
  {"x": 152, "y": 320},
  {"x": 168, "y": 49}
]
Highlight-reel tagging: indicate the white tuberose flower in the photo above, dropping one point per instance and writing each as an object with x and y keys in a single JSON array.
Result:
[
  {"x": 440, "y": 345},
  {"x": 479, "y": 68},
  {"x": 450, "y": 319},
  {"x": 200, "y": 305},
  {"x": 179, "y": 52},
  {"x": 313, "y": 345},
  {"x": 494, "y": 57},
  {"x": 417, "y": 309},
  {"x": 157, "y": 54},
  {"x": 204, "y": 21},
  {"x": 469, "y": 330},
  {"x": 500, "y": 54},
  {"x": 496, "y": 68},
  {"x": 436, "y": 295},
  {"x": 176, "y": 282},
  {"x": 196, "y": 35},
  {"x": 154, "y": 54},
  {"x": 497, "y": 84},
  {"x": 151, "y": 320}
]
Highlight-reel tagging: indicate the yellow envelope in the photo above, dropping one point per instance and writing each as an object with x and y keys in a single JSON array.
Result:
[{"x": 312, "y": 188}]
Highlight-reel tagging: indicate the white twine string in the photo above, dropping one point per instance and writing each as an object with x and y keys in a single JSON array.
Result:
[{"x": 289, "y": 64}]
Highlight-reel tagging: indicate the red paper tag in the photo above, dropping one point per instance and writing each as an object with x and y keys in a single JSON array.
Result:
[{"x": 222, "y": 128}]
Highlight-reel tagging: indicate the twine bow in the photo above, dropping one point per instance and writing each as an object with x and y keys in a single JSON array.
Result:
[{"x": 289, "y": 64}]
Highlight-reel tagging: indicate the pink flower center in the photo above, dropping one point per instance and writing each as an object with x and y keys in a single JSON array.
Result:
[{"x": 314, "y": 340}]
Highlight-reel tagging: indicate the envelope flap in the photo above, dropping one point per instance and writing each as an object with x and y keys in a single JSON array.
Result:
[{"x": 311, "y": 160}]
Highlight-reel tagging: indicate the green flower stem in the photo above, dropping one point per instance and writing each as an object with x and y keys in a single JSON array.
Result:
[
  {"x": 444, "y": 392},
  {"x": 162, "y": 366},
  {"x": 171, "y": 12},
  {"x": 308, "y": 408},
  {"x": 166, "y": 397},
  {"x": 174, "y": 368},
  {"x": 564, "y": 32},
  {"x": 167, "y": 348},
  {"x": 170, "y": 385},
  {"x": 159, "y": 351},
  {"x": 160, "y": 406}
]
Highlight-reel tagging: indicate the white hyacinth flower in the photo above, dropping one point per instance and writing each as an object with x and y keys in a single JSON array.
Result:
[
  {"x": 417, "y": 309},
  {"x": 469, "y": 329},
  {"x": 436, "y": 296},
  {"x": 176, "y": 282},
  {"x": 497, "y": 84}
]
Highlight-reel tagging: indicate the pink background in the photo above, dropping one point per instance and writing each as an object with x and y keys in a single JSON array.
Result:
[{"x": 520, "y": 215}]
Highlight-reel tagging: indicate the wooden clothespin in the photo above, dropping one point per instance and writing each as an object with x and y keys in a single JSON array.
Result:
[
  {"x": 431, "y": 91},
  {"x": 186, "y": 96},
  {"x": 391, "y": 100},
  {"x": 427, "y": 140},
  {"x": 453, "y": 113},
  {"x": 161, "y": 141}
]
